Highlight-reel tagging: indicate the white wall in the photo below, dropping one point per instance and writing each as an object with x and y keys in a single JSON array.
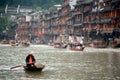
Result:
[{"x": 72, "y": 2}]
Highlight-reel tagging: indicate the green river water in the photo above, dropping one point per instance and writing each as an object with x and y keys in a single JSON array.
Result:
[{"x": 60, "y": 64}]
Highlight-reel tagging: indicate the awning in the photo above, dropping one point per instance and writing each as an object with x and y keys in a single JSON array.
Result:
[
  {"x": 47, "y": 26},
  {"x": 105, "y": 21},
  {"x": 77, "y": 25},
  {"x": 106, "y": 9},
  {"x": 110, "y": 31},
  {"x": 87, "y": 2}
]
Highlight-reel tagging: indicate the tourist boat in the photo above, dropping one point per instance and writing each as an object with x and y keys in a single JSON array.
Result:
[
  {"x": 37, "y": 67},
  {"x": 57, "y": 45},
  {"x": 13, "y": 43},
  {"x": 60, "y": 45},
  {"x": 76, "y": 47},
  {"x": 51, "y": 43},
  {"x": 4, "y": 41},
  {"x": 99, "y": 44},
  {"x": 26, "y": 44},
  {"x": 115, "y": 43}
]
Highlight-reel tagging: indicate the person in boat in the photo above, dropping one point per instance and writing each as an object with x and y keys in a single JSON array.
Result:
[
  {"x": 30, "y": 60},
  {"x": 82, "y": 42},
  {"x": 63, "y": 44}
]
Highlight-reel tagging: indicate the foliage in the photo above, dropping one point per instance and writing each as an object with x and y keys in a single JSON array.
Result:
[
  {"x": 4, "y": 22},
  {"x": 44, "y": 4},
  {"x": 36, "y": 4}
]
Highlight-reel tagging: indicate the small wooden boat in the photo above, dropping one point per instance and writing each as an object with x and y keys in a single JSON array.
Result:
[
  {"x": 13, "y": 43},
  {"x": 37, "y": 67},
  {"x": 76, "y": 47},
  {"x": 4, "y": 41},
  {"x": 99, "y": 44},
  {"x": 51, "y": 43},
  {"x": 25, "y": 44},
  {"x": 115, "y": 43},
  {"x": 59, "y": 45}
]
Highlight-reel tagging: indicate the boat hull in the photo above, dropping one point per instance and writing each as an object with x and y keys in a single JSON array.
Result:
[
  {"x": 115, "y": 43},
  {"x": 77, "y": 49},
  {"x": 60, "y": 46},
  {"x": 38, "y": 67}
]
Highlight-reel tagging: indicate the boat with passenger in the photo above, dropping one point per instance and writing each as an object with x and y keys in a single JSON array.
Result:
[
  {"x": 13, "y": 43},
  {"x": 37, "y": 67},
  {"x": 25, "y": 43},
  {"x": 4, "y": 41},
  {"x": 60, "y": 45},
  {"x": 76, "y": 47},
  {"x": 98, "y": 44},
  {"x": 115, "y": 43}
]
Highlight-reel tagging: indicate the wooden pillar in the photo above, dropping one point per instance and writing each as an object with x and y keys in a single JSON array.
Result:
[{"x": 6, "y": 9}]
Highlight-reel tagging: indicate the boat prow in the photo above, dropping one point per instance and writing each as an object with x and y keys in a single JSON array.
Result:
[{"x": 37, "y": 67}]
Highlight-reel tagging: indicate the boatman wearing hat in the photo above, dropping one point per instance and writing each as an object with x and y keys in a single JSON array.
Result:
[{"x": 30, "y": 60}]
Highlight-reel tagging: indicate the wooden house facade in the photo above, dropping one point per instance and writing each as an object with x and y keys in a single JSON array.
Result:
[
  {"x": 97, "y": 19},
  {"x": 24, "y": 28},
  {"x": 93, "y": 19},
  {"x": 78, "y": 19}
]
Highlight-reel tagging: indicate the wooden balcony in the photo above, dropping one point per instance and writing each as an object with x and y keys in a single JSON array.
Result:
[
  {"x": 88, "y": 8},
  {"x": 77, "y": 13}
]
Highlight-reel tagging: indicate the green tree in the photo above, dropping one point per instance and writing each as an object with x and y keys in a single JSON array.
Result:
[
  {"x": 44, "y": 4},
  {"x": 4, "y": 22}
]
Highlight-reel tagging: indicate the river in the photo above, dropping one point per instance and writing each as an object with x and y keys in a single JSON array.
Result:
[{"x": 61, "y": 64}]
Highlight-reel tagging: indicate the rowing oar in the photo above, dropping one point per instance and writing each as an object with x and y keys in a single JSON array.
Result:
[{"x": 16, "y": 66}]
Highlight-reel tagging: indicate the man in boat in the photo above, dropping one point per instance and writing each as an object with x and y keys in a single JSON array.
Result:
[
  {"x": 30, "y": 60},
  {"x": 81, "y": 42}
]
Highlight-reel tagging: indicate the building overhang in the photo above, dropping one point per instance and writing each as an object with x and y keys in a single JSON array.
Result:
[{"x": 77, "y": 25}]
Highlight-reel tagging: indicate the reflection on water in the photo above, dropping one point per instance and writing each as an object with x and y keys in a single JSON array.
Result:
[{"x": 61, "y": 64}]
